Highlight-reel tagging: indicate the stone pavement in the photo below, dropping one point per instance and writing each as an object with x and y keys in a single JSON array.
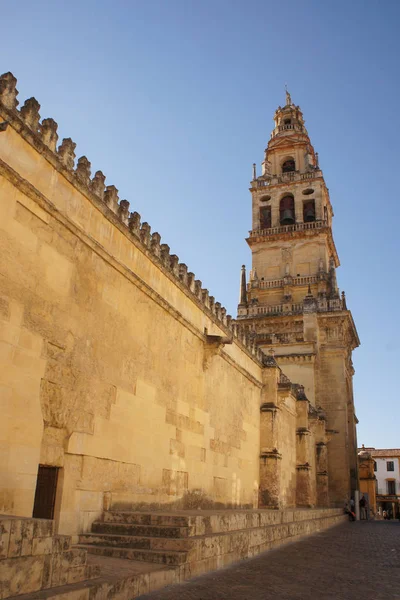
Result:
[{"x": 352, "y": 561}]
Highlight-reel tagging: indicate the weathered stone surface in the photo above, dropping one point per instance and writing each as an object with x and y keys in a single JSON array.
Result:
[
  {"x": 20, "y": 576},
  {"x": 15, "y": 543},
  {"x": 42, "y": 545},
  {"x": 5, "y": 529}
]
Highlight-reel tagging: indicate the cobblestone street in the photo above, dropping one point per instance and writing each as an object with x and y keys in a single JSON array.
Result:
[{"x": 353, "y": 561}]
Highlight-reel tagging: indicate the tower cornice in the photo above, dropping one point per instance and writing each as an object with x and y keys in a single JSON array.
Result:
[
  {"x": 292, "y": 232},
  {"x": 294, "y": 177}
]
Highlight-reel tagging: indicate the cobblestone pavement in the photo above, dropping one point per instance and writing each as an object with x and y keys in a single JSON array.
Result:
[{"x": 352, "y": 561}]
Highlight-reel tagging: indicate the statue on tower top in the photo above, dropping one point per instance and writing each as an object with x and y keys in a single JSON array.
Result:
[{"x": 288, "y": 98}]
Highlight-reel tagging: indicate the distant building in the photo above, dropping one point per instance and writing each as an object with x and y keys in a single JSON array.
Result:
[
  {"x": 367, "y": 479},
  {"x": 387, "y": 473}
]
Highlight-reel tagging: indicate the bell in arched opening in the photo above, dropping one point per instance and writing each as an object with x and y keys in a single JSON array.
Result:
[
  {"x": 286, "y": 209},
  {"x": 288, "y": 166},
  {"x": 309, "y": 211}
]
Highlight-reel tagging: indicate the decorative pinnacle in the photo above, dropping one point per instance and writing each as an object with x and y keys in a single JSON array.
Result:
[{"x": 243, "y": 292}]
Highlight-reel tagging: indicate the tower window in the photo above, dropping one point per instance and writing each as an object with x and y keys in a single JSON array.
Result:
[
  {"x": 287, "y": 122},
  {"x": 265, "y": 217},
  {"x": 288, "y": 166},
  {"x": 309, "y": 211},
  {"x": 286, "y": 210}
]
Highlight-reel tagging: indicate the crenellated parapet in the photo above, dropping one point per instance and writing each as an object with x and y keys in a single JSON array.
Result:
[{"x": 42, "y": 135}]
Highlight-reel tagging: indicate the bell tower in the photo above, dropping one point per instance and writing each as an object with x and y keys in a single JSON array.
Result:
[{"x": 291, "y": 302}]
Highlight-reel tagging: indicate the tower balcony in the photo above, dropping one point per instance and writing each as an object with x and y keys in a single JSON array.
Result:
[
  {"x": 279, "y": 283},
  {"x": 260, "y": 311},
  {"x": 256, "y": 233},
  {"x": 287, "y": 128},
  {"x": 285, "y": 177}
]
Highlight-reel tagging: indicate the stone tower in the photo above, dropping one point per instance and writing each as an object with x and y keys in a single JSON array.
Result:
[{"x": 292, "y": 302}]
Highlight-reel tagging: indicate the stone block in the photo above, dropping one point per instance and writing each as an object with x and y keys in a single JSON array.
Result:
[
  {"x": 5, "y": 529},
  {"x": 239, "y": 542},
  {"x": 287, "y": 516},
  {"x": 237, "y": 521},
  {"x": 15, "y": 545},
  {"x": 73, "y": 558},
  {"x": 208, "y": 547},
  {"x": 175, "y": 482},
  {"x": 185, "y": 572},
  {"x": 76, "y": 574},
  {"x": 42, "y": 545},
  {"x": 203, "y": 566},
  {"x": 81, "y": 594},
  {"x": 47, "y": 571},
  {"x": 199, "y": 527},
  {"x": 159, "y": 579},
  {"x": 61, "y": 543},
  {"x": 256, "y": 537},
  {"x": 21, "y": 576},
  {"x": 270, "y": 517},
  {"x": 141, "y": 585},
  {"x": 55, "y": 569},
  {"x": 252, "y": 520},
  {"x": 43, "y": 528},
  {"x": 27, "y": 538},
  {"x": 177, "y": 448}
]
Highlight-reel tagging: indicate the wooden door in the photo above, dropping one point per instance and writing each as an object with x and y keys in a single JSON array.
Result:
[{"x": 45, "y": 495}]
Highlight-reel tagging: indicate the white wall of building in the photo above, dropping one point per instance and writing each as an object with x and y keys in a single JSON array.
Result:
[{"x": 382, "y": 474}]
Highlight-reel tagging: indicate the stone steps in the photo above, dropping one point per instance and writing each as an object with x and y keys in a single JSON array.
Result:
[
  {"x": 165, "y": 557},
  {"x": 138, "y": 542},
  {"x": 140, "y": 530},
  {"x": 200, "y": 540},
  {"x": 140, "y": 518},
  {"x": 125, "y": 566}
]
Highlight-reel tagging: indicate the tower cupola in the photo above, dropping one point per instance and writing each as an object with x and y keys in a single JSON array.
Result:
[
  {"x": 289, "y": 150},
  {"x": 288, "y": 119}
]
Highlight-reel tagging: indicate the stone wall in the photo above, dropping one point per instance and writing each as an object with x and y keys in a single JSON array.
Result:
[
  {"x": 117, "y": 366},
  {"x": 32, "y": 558}
]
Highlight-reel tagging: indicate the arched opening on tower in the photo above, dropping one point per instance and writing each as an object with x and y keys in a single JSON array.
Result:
[
  {"x": 286, "y": 210},
  {"x": 288, "y": 166},
  {"x": 309, "y": 211},
  {"x": 265, "y": 217}
]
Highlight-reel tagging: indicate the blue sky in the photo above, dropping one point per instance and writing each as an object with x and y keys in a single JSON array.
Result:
[{"x": 173, "y": 100}]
